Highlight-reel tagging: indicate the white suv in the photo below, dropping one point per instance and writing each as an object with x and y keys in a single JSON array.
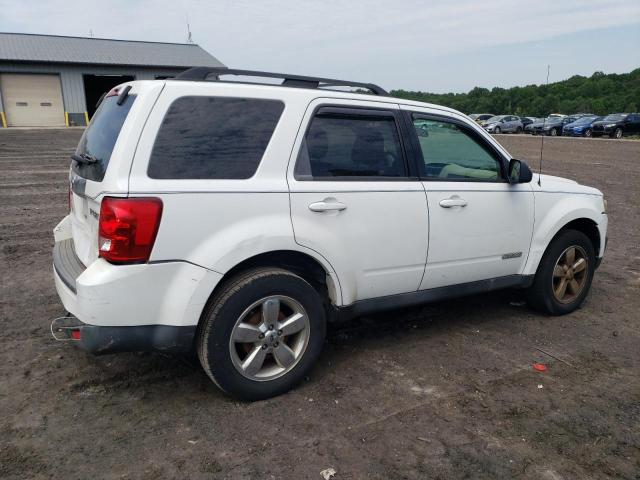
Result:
[{"x": 237, "y": 218}]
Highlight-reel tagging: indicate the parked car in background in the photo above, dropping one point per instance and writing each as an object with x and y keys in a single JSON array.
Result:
[
  {"x": 528, "y": 121},
  {"x": 582, "y": 127},
  {"x": 480, "y": 118},
  {"x": 617, "y": 125},
  {"x": 552, "y": 125},
  {"x": 503, "y": 124}
]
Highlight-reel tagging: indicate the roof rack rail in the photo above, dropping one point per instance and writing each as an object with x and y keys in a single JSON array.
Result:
[{"x": 299, "y": 81}]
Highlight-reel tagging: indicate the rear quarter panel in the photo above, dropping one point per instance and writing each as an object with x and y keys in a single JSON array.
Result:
[{"x": 217, "y": 224}]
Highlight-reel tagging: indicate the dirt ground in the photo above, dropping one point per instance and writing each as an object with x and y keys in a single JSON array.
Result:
[{"x": 444, "y": 391}]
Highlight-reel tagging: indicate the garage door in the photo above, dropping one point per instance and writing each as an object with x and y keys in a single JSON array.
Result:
[{"x": 32, "y": 100}]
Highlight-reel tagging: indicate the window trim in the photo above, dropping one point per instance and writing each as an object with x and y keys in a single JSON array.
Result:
[
  {"x": 341, "y": 110},
  {"x": 486, "y": 145}
]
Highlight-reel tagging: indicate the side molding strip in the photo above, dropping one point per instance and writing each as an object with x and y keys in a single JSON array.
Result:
[{"x": 402, "y": 300}]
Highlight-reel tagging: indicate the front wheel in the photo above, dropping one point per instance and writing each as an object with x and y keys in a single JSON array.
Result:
[
  {"x": 564, "y": 275},
  {"x": 617, "y": 133},
  {"x": 553, "y": 132},
  {"x": 497, "y": 130},
  {"x": 519, "y": 130},
  {"x": 587, "y": 133},
  {"x": 262, "y": 333}
]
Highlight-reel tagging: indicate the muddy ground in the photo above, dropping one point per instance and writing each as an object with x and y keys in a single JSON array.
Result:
[{"x": 444, "y": 391}]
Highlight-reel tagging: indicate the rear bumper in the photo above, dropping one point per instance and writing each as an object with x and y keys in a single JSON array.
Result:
[
  {"x": 152, "y": 306},
  {"x": 101, "y": 340}
]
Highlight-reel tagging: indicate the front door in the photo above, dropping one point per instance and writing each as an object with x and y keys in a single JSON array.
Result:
[
  {"x": 480, "y": 225},
  {"x": 354, "y": 199}
]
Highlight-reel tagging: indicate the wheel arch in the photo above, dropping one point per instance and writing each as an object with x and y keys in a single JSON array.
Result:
[
  {"x": 583, "y": 222},
  {"x": 311, "y": 269}
]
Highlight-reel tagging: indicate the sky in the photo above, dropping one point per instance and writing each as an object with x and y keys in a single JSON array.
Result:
[{"x": 436, "y": 46}]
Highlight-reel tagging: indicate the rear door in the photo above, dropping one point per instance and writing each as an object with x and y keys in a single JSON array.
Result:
[
  {"x": 108, "y": 145},
  {"x": 480, "y": 225},
  {"x": 356, "y": 201}
]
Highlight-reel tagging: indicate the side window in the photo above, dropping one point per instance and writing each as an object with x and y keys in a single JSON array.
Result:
[
  {"x": 351, "y": 146},
  {"x": 213, "y": 138},
  {"x": 451, "y": 153}
]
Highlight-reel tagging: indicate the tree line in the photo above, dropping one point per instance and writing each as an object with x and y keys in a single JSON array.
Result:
[{"x": 600, "y": 94}]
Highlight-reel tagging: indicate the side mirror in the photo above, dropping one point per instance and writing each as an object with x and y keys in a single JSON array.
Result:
[{"x": 519, "y": 172}]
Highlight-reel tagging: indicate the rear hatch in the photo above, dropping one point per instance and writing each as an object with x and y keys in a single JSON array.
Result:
[{"x": 94, "y": 157}]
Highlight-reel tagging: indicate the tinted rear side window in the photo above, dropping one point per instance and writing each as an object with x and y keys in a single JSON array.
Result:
[
  {"x": 213, "y": 138},
  {"x": 101, "y": 135},
  {"x": 351, "y": 147}
]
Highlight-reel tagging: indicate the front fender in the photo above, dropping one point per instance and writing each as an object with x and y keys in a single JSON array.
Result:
[{"x": 553, "y": 212}]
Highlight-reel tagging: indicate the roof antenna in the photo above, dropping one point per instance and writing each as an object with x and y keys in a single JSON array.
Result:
[
  {"x": 189, "y": 38},
  {"x": 544, "y": 123}
]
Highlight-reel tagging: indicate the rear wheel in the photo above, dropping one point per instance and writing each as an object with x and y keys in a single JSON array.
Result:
[
  {"x": 519, "y": 130},
  {"x": 564, "y": 275},
  {"x": 497, "y": 130},
  {"x": 553, "y": 132},
  {"x": 261, "y": 333}
]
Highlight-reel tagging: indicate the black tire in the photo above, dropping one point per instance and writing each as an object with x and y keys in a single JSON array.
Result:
[
  {"x": 617, "y": 133},
  {"x": 553, "y": 132},
  {"x": 541, "y": 295},
  {"x": 226, "y": 307},
  {"x": 497, "y": 130},
  {"x": 519, "y": 130},
  {"x": 588, "y": 133}
]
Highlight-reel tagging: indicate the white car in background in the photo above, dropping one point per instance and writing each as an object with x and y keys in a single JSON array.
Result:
[{"x": 237, "y": 219}]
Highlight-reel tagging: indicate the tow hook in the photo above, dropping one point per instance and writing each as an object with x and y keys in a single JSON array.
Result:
[{"x": 66, "y": 328}]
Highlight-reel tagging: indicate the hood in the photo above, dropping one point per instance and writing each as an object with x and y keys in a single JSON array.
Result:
[
  {"x": 551, "y": 183},
  {"x": 554, "y": 179},
  {"x": 606, "y": 122}
]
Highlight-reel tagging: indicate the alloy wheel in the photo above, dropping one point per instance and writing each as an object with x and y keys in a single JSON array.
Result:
[
  {"x": 618, "y": 133},
  {"x": 570, "y": 274},
  {"x": 269, "y": 338}
]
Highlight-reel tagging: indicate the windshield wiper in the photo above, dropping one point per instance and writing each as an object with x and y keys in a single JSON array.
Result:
[{"x": 84, "y": 158}]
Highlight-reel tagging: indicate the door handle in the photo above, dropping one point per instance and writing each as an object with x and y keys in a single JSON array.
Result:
[
  {"x": 454, "y": 201},
  {"x": 327, "y": 205}
]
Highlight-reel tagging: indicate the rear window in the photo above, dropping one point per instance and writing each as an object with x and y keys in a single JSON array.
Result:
[
  {"x": 101, "y": 135},
  {"x": 213, "y": 138}
]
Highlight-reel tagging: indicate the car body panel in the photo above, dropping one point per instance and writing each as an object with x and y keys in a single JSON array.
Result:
[{"x": 394, "y": 238}]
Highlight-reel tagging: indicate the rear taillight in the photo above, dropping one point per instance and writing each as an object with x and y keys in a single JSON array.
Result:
[{"x": 128, "y": 228}]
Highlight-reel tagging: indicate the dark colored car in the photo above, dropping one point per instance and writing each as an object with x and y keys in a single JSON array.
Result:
[
  {"x": 582, "y": 127},
  {"x": 528, "y": 121},
  {"x": 617, "y": 125},
  {"x": 551, "y": 125}
]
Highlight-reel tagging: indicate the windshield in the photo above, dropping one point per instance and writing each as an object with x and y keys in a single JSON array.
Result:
[
  {"x": 616, "y": 117},
  {"x": 584, "y": 120},
  {"x": 100, "y": 137},
  {"x": 495, "y": 119}
]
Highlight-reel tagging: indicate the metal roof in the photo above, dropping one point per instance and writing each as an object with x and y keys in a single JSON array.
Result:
[{"x": 26, "y": 47}]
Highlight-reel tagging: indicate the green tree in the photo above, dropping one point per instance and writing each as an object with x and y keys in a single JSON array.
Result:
[{"x": 600, "y": 94}]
